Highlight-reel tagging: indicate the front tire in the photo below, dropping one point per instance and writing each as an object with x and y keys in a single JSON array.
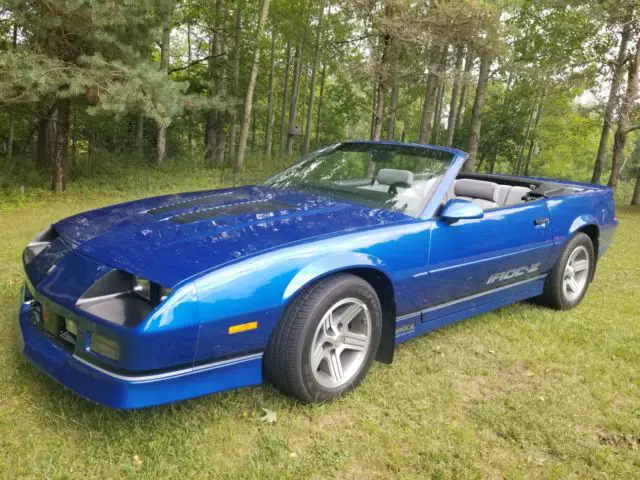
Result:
[
  {"x": 326, "y": 340},
  {"x": 569, "y": 279}
]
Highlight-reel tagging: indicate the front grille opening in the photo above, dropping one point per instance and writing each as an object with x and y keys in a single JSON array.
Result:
[
  {"x": 62, "y": 330},
  {"x": 70, "y": 332}
]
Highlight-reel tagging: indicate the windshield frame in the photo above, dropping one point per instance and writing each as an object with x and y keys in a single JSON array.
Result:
[{"x": 432, "y": 203}]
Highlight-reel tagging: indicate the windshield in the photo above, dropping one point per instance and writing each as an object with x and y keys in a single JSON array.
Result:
[{"x": 393, "y": 177}]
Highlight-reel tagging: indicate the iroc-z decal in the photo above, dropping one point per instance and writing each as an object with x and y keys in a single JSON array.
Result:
[{"x": 513, "y": 273}]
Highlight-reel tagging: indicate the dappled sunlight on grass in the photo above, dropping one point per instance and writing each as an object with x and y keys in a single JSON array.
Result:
[{"x": 523, "y": 391}]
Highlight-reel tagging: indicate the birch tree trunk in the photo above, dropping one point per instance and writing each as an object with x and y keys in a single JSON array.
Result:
[
  {"x": 393, "y": 107},
  {"x": 374, "y": 97},
  {"x": 285, "y": 100},
  {"x": 312, "y": 92},
  {"x": 437, "y": 118},
  {"x": 248, "y": 101},
  {"x": 624, "y": 118},
  {"x": 453, "y": 104},
  {"x": 235, "y": 79},
  {"x": 464, "y": 90},
  {"x": 268, "y": 132},
  {"x": 14, "y": 44},
  {"x": 295, "y": 93},
  {"x": 476, "y": 114},
  {"x": 189, "y": 113},
  {"x": 536, "y": 123},
  {"x": 384, "y": 70},
  {"x": 428, "y": 106},
  {"x": 612, "y": 102},
  {"x": 223, "y": 116},
  {"x": 161, "y": 142},
  {"x": 320, "y": 98}
]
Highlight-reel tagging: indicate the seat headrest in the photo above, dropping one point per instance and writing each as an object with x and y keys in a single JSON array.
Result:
[
  {"x": 390, "y": 176},
  {"x": 468, "y": 187}
]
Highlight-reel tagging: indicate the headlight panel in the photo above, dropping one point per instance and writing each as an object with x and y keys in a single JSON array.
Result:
[
  {"x": 122, "y": 298},
  {"x": 40, "y": 243}
]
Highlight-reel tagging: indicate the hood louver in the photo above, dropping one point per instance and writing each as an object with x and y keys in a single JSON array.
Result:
[
  {"x": 231, "y": 210},
  {"x": 205, "y": 201}
]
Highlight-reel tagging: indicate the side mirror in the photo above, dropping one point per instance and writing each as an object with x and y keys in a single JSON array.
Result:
[{"x": 459, "y": 209}]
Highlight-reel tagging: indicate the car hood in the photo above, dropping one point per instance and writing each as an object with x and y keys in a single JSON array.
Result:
[{"x": 169, "y": 239}]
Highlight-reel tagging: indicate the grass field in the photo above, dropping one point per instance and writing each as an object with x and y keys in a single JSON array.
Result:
[{"x": 520, "y": 392}]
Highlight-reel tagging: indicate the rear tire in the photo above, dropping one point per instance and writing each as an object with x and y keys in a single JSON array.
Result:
[
  {"x": 569, "y": 279},
  {"x": 326, "y": 341}
]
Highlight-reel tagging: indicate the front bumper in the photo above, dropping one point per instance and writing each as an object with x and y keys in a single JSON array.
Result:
[{"x": 125, "y": 392}]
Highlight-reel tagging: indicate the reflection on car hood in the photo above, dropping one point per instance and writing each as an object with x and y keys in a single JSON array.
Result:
[{"x": 171, "y": 238}]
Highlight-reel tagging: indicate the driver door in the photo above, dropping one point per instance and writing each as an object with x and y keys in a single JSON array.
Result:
[{"x": 506, "y": 246}]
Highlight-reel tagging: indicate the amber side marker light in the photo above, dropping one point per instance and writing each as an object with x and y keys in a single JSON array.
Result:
[{"x": 243, "y": 327}]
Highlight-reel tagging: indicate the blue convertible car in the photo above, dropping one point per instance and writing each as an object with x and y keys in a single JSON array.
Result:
[{"x": 304, "y": 280}]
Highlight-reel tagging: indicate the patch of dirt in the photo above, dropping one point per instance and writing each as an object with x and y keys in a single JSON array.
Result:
[{"x": 619, "y": 440}]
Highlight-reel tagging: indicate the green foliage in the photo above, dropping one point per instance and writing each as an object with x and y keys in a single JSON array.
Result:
[{"x": 104, "y": 55}]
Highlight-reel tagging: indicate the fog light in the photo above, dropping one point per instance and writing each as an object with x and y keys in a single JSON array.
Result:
[
  {"x": 104, "y": 346},
  {"x": 71, "y": 327}
]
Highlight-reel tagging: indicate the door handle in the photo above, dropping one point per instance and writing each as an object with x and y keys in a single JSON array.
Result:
[{"x": 541, "y": 221}]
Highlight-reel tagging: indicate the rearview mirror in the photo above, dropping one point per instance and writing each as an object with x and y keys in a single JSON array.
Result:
[{"x": 459, "y": 209}]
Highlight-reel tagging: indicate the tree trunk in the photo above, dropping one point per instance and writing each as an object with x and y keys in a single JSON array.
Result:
[
  {"x": 248, "y": 102},
  {"x": 468, "y": 64},
  {"x": 161, "y": 145},
  {"x": 437, "y": 118},
  {"x": 312, "y": 92},
  {"x": 140, "y": 135},
  {"x": 235, "y": 84},
  {"x": 612, "y": 102},
  {"x": 453, "y": 104},
  {"x": 210, "y": 137},
  {"x": 74, "y": 139},
  {"x": 532, "y": 114},
  {"x": 476, "y": 113},
  {"x": 285, "y": 100},
  {"x": 61, "y": 129},
  {"x": 268, "y": 132},
  {"x": 253, "y": 130},
  {"x": 189, "y": 113},
  {"x": 393, "y": 107},
  {"x": 635, "y": 200},
  {"x": 295, "y": 93},
  {"x": 223, "y": 116},
  {"x": 620, "y": 137},
  {"x": 10, "y": 139},
  {"x": 388, "y": 50},
  {"x": 215, "y": 117},
  {"x": 46, "y": 133},
  {"x": 536, "y": 123},
  {"x": 379, "y": 111},
  {"x": 428, "y": 106},
  {"x": 14, "y": 44},
  {"x": 374, "y": 97},
  {"x": 320, "y": 98}
]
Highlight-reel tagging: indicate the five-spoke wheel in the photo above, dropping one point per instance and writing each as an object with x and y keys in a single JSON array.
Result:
[
  {"x": 326, "y": 340},
  {"x": 340, "y": 342},
  {"x": 569, "y": 279}
]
